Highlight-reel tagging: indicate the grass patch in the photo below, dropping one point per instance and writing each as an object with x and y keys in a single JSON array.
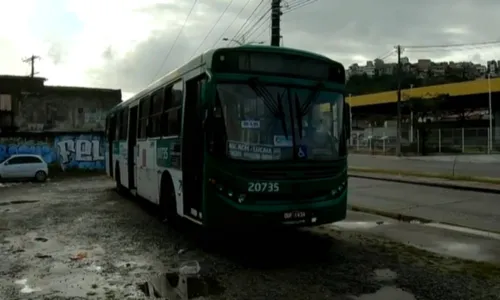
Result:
[{"x": 427, "y": 175}]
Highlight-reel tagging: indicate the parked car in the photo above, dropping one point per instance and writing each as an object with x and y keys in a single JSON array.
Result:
[{"x": 24, "y": 166}]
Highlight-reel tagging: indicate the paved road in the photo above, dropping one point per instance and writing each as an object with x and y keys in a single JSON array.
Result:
[
  {"x": 78, "y": 239},
  {"x": 471, "y": 209},
  {"x": 461, "y": 167}
]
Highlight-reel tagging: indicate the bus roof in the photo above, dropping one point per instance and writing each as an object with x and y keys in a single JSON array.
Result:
[{"x": 206, "y": 58}]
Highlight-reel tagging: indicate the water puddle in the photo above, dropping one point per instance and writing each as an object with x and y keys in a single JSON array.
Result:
[
  {"x": 462, "y": 250},
  {"x": 385, "y": 275},
  {"x": 350, "y": 225},
  {"x": 387, "y": 292},
  {"x": 182, "y": 284},
  {"x": 175, "y": 286},
  {"x": 26, "y": 289}
]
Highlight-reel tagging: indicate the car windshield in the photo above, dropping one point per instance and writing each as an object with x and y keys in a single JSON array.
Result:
[{"x": 263, "y": 123}]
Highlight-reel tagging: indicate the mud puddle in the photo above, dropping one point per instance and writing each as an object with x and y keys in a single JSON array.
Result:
[
  {"x": 385, "y": 293},
  {"x": 389, "y": 291}
]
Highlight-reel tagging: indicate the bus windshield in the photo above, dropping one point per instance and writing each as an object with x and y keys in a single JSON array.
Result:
[{"x": 281, "y": 123}]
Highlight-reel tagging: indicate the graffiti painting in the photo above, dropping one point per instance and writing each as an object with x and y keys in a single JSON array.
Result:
[
  {"x": 81, "y": 151},
  {"x": 21, "y": 146},
  {"x": 84, "y": 151}
]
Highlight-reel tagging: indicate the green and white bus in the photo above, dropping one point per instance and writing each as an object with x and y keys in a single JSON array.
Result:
[{"x": 244, "y": 136}]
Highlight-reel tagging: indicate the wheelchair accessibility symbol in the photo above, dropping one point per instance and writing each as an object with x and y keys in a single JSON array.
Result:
[{"x": 302, "y": 152}]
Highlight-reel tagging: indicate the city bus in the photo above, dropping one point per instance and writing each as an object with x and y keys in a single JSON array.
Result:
[{"x": 243, "y": 136}]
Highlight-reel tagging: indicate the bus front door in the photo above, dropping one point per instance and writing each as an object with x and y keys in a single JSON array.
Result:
[
  {"x": 132, "y": 141},
  {"x": 192, "y": 149}
]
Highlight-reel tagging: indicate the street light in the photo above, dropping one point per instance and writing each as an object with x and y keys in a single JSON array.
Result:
[{"x": 240, "y": 43}]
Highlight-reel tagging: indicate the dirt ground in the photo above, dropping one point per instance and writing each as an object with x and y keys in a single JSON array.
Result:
[{"x": 78, "y": 239}]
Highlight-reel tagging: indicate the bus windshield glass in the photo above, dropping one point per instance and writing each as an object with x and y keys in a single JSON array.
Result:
[{"x": 273, "y": 122}]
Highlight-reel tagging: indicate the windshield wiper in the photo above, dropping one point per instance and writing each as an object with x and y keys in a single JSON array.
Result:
[
  {"x": 275, "y": 107},
  {"x": 302, "y": 110}
]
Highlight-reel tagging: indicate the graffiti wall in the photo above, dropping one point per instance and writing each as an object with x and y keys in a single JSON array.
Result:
[{"x": 81, "y": 151}]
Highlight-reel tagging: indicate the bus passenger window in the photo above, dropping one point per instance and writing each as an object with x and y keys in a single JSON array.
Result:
[
  {"x": 118, "y": 124},
  {"x": 172, "y": 110},
  {"x": 174, "y": 121},
  {"x": 143, "y": 117},
  {"x": 156, "y": 113}
]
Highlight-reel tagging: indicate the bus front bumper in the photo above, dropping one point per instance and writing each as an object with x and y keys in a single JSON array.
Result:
[{"x": 228, "y": 213}]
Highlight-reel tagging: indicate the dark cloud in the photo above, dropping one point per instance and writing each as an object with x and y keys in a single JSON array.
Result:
[{"x": 343, "y": 30}]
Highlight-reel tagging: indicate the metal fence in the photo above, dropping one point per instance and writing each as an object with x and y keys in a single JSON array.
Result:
[{"x": 445, "y": 140}]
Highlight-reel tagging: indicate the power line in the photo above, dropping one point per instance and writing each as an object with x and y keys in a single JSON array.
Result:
[
  {"x": 299, "y": 4},
  {"x": 175, "y": 41},
  {"x": 288, "y": 4},
  {"x": 231, "y": 24},
  {"x": 253, "y": 27},
  {"x": 261, "y": 31},
  {"x": 253, "y": 12},
  {"x": 213, "y": 27},
  {"x": 386, "y": 54},
  {"x": 245, "y": 29},
  {"x": 489, "y": 43},
  {"x": 257, "y": 37}
]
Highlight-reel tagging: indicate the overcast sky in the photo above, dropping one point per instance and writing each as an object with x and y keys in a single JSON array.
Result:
[{"x": 122, "y": 43}]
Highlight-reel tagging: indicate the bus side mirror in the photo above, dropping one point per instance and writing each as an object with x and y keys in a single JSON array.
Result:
[{"x": 347, "y": 120}]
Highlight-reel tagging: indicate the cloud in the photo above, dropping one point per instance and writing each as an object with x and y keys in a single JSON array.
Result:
[{"x": 122, "y": 43}]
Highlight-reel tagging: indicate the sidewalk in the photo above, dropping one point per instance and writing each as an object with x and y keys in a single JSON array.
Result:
[
  {"x": 461, "y": 166},
  {"x": 463, "y": 204},
  {"x": 435, "y": 182}
]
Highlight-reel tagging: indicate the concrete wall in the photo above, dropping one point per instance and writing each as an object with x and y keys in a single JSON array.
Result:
[
  {"x": 62, "y": 113},
  {"x": 69, "y": 151}
]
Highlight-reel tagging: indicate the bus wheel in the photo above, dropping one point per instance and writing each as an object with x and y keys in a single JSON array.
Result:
[
  {"x": 118, "y": 180},
  {"x": 168, "y": 205}
]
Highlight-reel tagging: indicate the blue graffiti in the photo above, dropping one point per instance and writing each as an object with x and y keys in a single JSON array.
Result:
[
  {"x": 84, "y": 151},
  {"x": 44, "y": 150}
]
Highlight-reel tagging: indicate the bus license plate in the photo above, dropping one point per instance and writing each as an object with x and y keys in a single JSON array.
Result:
[{"x": 294, "y": 215}]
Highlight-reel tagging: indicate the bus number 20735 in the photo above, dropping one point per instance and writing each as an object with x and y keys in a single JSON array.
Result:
[{"x": 263, "y": 187}]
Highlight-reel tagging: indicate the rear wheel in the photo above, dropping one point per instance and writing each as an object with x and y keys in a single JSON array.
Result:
[
  {"x": 168, "y": 204},
  {"x": 41, "y": 176},
  {"x": 118, "y": 180}
]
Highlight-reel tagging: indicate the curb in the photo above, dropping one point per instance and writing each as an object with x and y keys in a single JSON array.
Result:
[
  {"x": 391, "y": 215},
  {"x": 432, "y": 184},
  {"x": 409, "y": 218}
]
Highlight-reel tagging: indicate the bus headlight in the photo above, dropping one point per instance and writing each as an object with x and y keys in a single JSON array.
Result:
[
  {"x": 339, "y": 189},
  {"x": 241, "y": 198}
]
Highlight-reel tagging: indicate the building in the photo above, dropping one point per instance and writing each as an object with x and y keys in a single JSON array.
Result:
[
  {"x": 27, "y": 105},
  {"x": 424, "y": 68},
  {"x": 65, "y": 125}
]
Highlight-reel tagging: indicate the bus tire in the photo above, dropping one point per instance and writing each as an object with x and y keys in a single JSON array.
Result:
[
  {"x": 168, "y": 203},
  {"x": 118, "y": 180}
]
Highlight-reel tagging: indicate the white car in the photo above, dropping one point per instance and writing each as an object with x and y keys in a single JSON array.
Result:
[{"x": 24, "y": 166}]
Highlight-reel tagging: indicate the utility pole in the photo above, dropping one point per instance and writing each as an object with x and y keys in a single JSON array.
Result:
[
  {"x": 31, "y": 60},
  {"x": 275, "y": 22},
  {"x": 398, "y": 122}
]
